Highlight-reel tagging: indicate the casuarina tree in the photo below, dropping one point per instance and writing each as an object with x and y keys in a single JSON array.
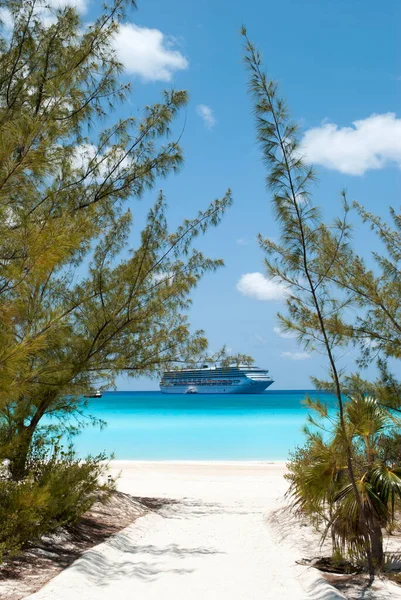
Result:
[{"x": 78, "y": 304}]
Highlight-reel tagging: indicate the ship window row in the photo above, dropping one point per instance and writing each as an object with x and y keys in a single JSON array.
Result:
[
  {"x": 201, "y": 375},
  {"x": 207, "y": 374},
  {"x": 194, "y": 382},
  {"x": 210, "y": 372}
]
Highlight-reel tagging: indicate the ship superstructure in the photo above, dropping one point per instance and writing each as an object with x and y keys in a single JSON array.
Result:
[{"x": 234, "y": 379}]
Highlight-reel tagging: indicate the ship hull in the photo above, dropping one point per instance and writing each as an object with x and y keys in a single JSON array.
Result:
[{"x": 248, "y": 387}]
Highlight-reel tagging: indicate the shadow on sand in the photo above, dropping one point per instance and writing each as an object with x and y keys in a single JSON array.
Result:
[{"x": 102, "y": 570}]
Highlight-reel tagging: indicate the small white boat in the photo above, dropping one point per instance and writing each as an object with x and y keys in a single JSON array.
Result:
[
  {"x": 97, "y": 394},
  {"x": 191, "y": 390}
]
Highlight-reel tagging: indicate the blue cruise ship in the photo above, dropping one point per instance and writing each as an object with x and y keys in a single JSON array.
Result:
[{"x": 239, "y": 379}]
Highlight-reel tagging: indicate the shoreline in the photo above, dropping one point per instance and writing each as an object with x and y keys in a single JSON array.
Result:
[{"x": 194, "y": 462}]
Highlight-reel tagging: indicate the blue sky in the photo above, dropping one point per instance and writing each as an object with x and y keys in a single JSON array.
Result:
[{"x": 337, "y": 63}]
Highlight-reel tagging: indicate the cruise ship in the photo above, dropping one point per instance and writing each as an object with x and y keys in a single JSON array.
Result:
[{"x": 238, "y": 379}]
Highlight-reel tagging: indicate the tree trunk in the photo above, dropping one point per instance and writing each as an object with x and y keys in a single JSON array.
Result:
[
  {"x": 19, "y": 454},
  {"x": 376, "y": 540}
]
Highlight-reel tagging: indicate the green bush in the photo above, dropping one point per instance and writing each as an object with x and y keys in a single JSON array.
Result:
[{"x": 57, "y": 491}]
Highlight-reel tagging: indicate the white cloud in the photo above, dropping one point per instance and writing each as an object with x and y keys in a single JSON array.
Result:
[
  {"x": 371, "y": 143},
  {"x": 242, "y": 242},
  {"x": 45, "y": 12},
  {"x": 166, "y": 277},
  {"x": 6, "y": 18},
  {"x": 255, "y": 285},
  {"x": 80, "y": 5},
  {"x": 83, "y": 155},
  {"x": 301, "y": 198},
  {"x": 86, "y": 155},
  {"x": 295, "y": 355},
  {"x": 206, "y": 114},
  {"x": 284, "y": 334},
  {"x": 148, "y": 53}
]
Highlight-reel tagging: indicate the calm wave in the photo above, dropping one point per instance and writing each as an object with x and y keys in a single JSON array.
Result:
[{"x": 153, "y": 426}]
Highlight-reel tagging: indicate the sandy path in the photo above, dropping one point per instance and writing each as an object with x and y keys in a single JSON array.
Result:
[{"x": 214, "y": 543}]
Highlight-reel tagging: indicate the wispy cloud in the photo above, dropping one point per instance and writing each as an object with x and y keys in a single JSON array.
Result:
[
  {"x": 295, "y": 355},
  {"x": 371, "y": 143},
  {"x": 242, "y": 242},
  {"x": 284, "y": 334},
  {"x": 259, "y": 341},
  {"x": 207, "y": 115},
  {"x": 256, "y": 285},
  {"x": 148, "y": 53}
]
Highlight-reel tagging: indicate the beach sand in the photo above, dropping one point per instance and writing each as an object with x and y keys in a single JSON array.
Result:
[{"x": 225, "y": 535}]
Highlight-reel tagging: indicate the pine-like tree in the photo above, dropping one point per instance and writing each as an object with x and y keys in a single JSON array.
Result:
[
  {"x": 303, "y": 262},
  {"x": 78, "y": 306}
]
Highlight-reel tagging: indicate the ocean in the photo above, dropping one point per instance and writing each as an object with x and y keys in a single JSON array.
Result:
[{"x": 154, "y": 426}]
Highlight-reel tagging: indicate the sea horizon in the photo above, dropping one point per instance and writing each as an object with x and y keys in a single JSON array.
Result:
[{"x": 151, "y": 426}]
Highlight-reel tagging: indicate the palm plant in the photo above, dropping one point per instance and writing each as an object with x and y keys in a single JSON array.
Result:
[{"x": 320, "y": 488}]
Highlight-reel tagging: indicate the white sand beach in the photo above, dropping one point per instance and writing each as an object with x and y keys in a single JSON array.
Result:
[{"x": 223, "y": 538}]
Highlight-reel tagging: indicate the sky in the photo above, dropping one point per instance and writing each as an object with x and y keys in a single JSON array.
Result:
[{"x": 338, "y": 65}]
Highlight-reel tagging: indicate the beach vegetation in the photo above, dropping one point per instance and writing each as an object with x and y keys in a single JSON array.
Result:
[
  {"x": 319, "y": 483},
  {"x": 342, "y": 478},
  {"x": 80, "y": 303},
  {"x": 83, "y": 297},
  {"x": 59, "y": 488}
]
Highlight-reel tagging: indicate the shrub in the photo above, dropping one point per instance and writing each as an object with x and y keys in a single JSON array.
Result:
[{"x": 57, "y": 491}]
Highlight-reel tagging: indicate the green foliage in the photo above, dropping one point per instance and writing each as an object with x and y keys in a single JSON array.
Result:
[
  {"x": 78, "y": 304},
  {"x": 305, "y": 261},
  {"x": 297, "y": 260},
  {"x": 376, "y": 291},
  {"x": 222, "y": 357},
  {"x": 57, "y": 491},
  {"x": 226, "y": 358},
  {"x": 320, "y": 487}
]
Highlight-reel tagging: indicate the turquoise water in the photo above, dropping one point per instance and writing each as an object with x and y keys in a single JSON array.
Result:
[{"x": 153, "y": 426}]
